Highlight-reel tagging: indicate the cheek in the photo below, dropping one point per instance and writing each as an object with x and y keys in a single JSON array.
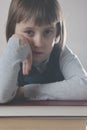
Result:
[
  {"x": 51, "y": 42},
  {"x": 17, "y": 29},
  {"x": 49, "y": 47}
]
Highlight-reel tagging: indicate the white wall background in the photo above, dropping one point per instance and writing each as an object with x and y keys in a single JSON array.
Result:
[
  {"x": 76, "y": 22},
  {"x": 4, "y": 6}
]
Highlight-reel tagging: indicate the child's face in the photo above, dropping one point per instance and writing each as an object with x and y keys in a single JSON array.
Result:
[{"x": 41, "y": 38}]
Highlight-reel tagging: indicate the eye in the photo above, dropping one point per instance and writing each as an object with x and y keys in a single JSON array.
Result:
[
  {"x": 30, "y": 33},
  {"x": 48, "y": 32}
]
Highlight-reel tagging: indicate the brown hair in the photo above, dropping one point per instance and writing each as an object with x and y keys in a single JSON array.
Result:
[{"x": 43, "y": 12}]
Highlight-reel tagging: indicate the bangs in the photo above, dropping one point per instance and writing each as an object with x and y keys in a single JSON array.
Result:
[{"x": 40, "y": 10}]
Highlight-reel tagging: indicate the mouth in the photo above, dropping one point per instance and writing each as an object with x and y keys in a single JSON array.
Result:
[{"x": 37, "y": 52}]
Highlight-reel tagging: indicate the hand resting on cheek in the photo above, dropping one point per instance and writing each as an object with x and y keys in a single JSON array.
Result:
[{"x": 27, "y": 63}]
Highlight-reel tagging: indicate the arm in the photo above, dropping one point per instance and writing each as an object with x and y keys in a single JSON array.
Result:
[
  {"x": 74, "y": 87},
  {"x": 9, "y": 68}
]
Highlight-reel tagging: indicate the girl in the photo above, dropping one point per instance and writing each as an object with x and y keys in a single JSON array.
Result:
[{"x": 36, "y": 64}]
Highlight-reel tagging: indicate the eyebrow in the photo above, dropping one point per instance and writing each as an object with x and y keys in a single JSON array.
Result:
[
  {"x": 48, "y": 27},
  {"x": 51, "y": 27},
  {"x": 27, "y": 28}
]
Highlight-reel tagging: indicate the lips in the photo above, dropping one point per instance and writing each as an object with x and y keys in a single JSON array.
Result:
[{"x": 37, "y": 52}]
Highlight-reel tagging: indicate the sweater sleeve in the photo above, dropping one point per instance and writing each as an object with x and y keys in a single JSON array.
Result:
[
  {"x": 74, "y": 87},
  {"x": 13, "y": 54}
]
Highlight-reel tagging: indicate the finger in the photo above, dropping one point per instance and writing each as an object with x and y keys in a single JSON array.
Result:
[
  {"x": 22, "y": 40},
  {"x": 26, "y": 66},
  {"x": 28, "y": 63}
]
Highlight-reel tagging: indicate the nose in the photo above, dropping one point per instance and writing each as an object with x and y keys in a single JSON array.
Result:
[{"x": 38, "y": 40}]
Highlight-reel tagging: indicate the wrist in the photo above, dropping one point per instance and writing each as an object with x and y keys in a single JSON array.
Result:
[{"x": 20, "y": 93}]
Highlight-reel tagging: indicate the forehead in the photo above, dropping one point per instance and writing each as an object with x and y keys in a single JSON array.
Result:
[{"x": 31, "y": 23}]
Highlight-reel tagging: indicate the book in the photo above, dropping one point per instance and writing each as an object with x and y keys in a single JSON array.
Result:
[{"x": 48, "y": 108}]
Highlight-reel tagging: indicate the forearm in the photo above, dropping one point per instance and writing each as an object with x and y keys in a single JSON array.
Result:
[
  {"x": 9, "y": 68},
  {"x": 72, "y": 89}
]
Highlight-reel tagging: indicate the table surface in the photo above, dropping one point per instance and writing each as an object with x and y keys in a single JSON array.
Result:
[{"x": 40, "y": 123}]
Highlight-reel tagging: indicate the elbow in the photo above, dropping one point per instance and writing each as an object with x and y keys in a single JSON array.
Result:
[
  {"x": 83, "y": 82},
  {"x": 6, "y": 97},
  {"x": 3, "y": 100},
  {"x": 84, "y": 88},
  {"x": 81, "y": 93}
]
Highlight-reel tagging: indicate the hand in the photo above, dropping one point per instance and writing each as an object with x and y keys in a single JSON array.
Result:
[
  {"x": 27, "y": 63},
  {"x": 20, "y": 93}
]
